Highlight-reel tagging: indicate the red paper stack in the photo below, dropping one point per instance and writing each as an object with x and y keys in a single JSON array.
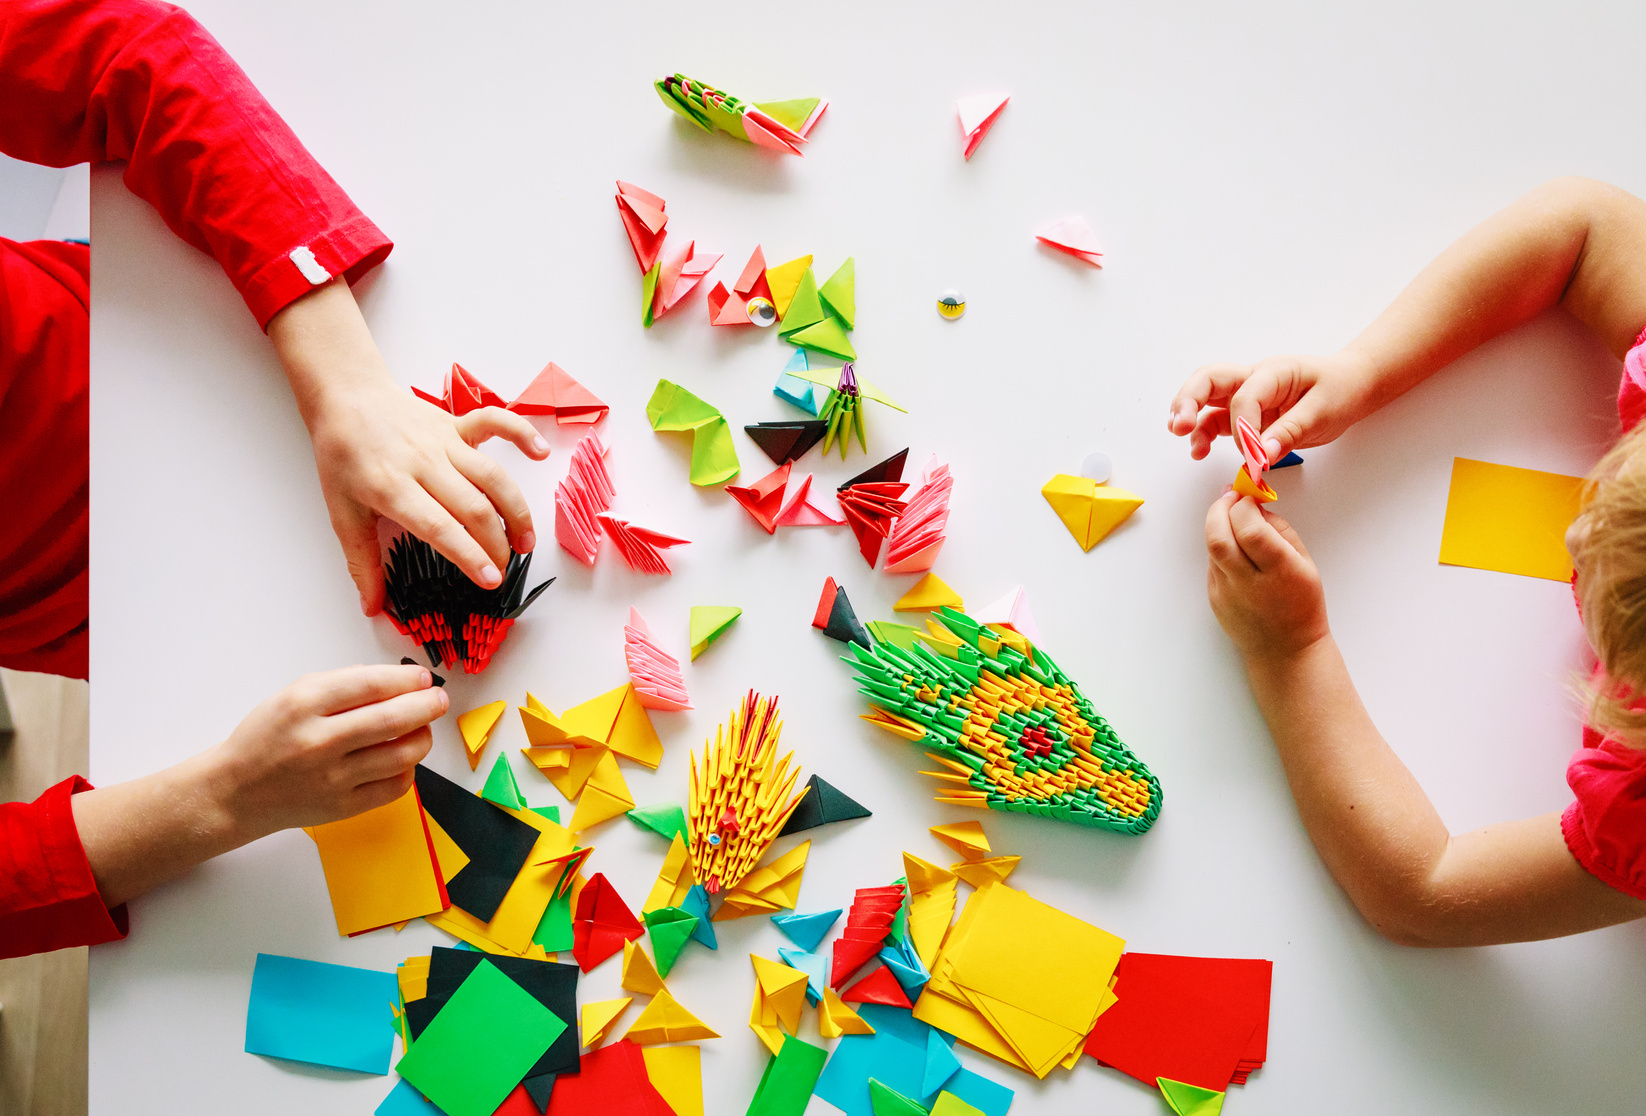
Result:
[{"x": 874, "y": 909}]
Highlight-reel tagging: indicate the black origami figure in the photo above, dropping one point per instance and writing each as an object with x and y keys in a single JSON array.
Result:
[{"x": 455, "y": 620}]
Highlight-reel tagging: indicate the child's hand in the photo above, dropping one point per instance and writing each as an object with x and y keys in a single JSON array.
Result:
[
  {"x": 1292, "y": 401},
  {"x": 381, "y": 451},
  {"x": 328, "y": 746},
  {"x": 1263, "y": 585}
]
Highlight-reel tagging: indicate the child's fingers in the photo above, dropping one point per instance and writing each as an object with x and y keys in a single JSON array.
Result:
[
  {"x": 416, "y": 509},
  {"x": 357, "y": 532},
  {"x": 494, "y": 422},
  {"x": 1221, "y": 544},
  {"x": 389, "y": 719},
  {"x": 1210, "y": 383},
  {"x": 505, "y": 496},
  {"x": 370, "y": 796},
  {"x": 1276, "y": 384},
  {"x": 389, "y": 758},
  {"x": 473, "y": 525},
  {"x": 1258, "y": 540},
  {"x": 1287, "y": 532},
  {"x": 1213, "y": 421},
  {"x": 338, "y": 691}
]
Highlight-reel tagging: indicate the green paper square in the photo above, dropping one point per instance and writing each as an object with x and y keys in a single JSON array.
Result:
[
  {"x": 786, "y": 1087},
  {"x": 480, "y": 1045},
  {"x": 554, "y": 931}
]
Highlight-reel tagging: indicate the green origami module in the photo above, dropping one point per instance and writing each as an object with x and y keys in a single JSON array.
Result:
[
  {"x": 1013, "y": 731},
  {"x": 779, "y": 125},
  {"x": 714, "y": 456}
]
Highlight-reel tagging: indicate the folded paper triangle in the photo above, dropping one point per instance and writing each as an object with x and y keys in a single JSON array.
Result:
[
  {"x": 879, "y": 987},
  {"x": 806, "y": 930},
  {"x": 664, "y": 1020},
  {"x": 786, "y": 442},
  {"x": 1088, "y": 509},
  {"x": 870, "y": 510},
  {"x": 476, "y": 727},
  {"x": 639, "y": 974},
  {"x": 835, "y": 1018},
  {"x": 1012, "y": 611},
  {"x": 644, "y": 221},
  {"x": 784, "y": 280},
  {"x": 887, "y": 471},
  {"x": 770, "y": 887},
  {"x": 839, "y": 294},
  {"x": 966, "y": 838},
  {"x": 670, "y": 928},
  {"x": 599, "y": 1017},
  {"x": 1288, "y": 461},
  {"x": 834, "y": 616},
  {"x": 941, "y": 1064},
  {"x": 981, "y": 873},
  {"x": 665, "y": 818},
  {"x": 801, "y": 512},
  {"x": 977, "y": 115},
  {"x": 814, "y": 965},
  {"x": 928, "y": 594},
  {"x": 1190, "y": 1100},
  {"x": 500, "y": 786},
  {"x": 554, "y": 392},
  {"x": 709, "y": 623},
  {"x": 680, "y": 276},
  {"x": 763, "y": 499},
  {"x": 654, "y": 673},
  {"x": 797, "y": 115},
  {"x": 724, "y": 310},
  {"x": 886, "y": 1101},
  {"x": 822, "y": 804},
  {"x": 752, "y": 282},
  {"x": 601, "y": 923},
  {"x": 641, "y": 548},
  {"x": 825, "y": 336},
  {"x": 674, "y": 879},
  {"x": 1257, "y": 490},
  {"x": 1074, "y": 237},
  {"x": 804, "y": 308}
]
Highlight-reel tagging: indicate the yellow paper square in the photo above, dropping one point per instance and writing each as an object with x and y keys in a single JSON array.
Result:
[
  {"x": 377, "y": 866},
  {"x": 1499, "y": 517}
]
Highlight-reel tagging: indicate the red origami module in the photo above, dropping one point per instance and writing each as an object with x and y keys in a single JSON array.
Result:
[
  {"x": 554, "y": 392},
  {"x": 644, "y": 221},
  {"x": 601, "y": 923},
  {"x": 879, "y": 987},
  {"x": 764, "y": 498}
]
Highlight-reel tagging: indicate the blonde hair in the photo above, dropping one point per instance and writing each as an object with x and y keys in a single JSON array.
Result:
[{"x": 1611, "y": 585}]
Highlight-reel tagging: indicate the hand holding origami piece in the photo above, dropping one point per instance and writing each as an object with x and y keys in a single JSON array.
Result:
[{"x": 1292, "y": 402}]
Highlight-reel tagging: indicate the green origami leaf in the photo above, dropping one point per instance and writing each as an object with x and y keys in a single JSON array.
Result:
[
  {"x": 1016, "y": 733},
  {"x": 791, "y": 114},
  {"x": 714, "y": 454},
  {"x": 840, "y": 292},
  {"x": 804, "y": 308}
]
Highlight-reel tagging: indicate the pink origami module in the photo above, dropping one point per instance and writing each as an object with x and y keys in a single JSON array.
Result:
[
  {"x": 1012, "y": 611},
  {"x": 764, "y": 498},
  {"x": 1251, "y": 449},
  {"x": 640, "y": 547},
  {"x": 679, "y": 276},
  {"x": 1075, "y": 237},
  {"x": 462, "y": 393},
  {"x": 917, "y": 535},
  {"x": 801, "y": 512},
  {"x": 582, "y": 496},
  {"x": 655, "y": 673},
  {"x": 731, "y": 308},
  {"x": 554, "y": 392},
  {"x": 977, "y": 115},
  {"x": 644, "y": 219}
]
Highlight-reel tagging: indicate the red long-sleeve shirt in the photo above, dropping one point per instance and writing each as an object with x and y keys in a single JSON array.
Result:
[{"x": 96, "y": 81}]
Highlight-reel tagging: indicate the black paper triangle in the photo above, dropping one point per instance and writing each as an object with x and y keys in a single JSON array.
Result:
[
  {"x": 890, "y": 469},
  {"x": 844, "y": 624},
  {"x": 822, "y": 804},
  {"x": 540, "y": 1089},
  {"x": 784, "y": 442}
]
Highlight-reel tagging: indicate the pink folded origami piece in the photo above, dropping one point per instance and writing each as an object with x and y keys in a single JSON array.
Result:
[
  {"x": 644, "y": 219},
  {"x": 582, "y": 496},
  {"x": 917, "y": 535},
  {"x": 977, "y": 115},
  {"x": 554, "y": 392},
  {"x": 640, "y": 547},
  {"x": 1251, "y": 448},
  {"x": 1074, "y": 236},
  {"x": 801, "y": 512},
  {"x": 679, "y": 276},
  {"x": 655, "y": 673},
  {"x": 1012, "y": 610},
  {"x": 764, "y": 498},
  {"x": 463, "y": 393}
]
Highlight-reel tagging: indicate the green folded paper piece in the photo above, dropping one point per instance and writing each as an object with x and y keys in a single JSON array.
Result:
[
  {"x": 670, "y": 929},
  {"x": 501, "y": 787},
  {"x": 786, "y": 1087},
  {"x": 839, "y": 294},
  {"x": 826, "y": 336},
  {"x": 805, "y": 308},
  {"x": 947, "y": 1104},
  {"x": 650, "y": 293},
  {"x": 479, "y": 1046},
  {"x": 554, "y": 930},
  {"x": 665, "y": 818},
  {"x": 714, "y": 456},
  {"x": 778, "y": 125},
  {"x": 889, "y": 1102},
  {"x": 1190, "y": 1100},
  {"x": 898, "y": 635}
]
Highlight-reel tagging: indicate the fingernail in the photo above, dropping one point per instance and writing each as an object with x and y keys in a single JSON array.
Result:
[
  {"x": 445, "y": 700},
  {"x": 1271, "y": 446},
  {"x": 425, "y": 680},
  {"x": 489, "y": 577},
  {"x": 527, "y": 542},
  {"x": 540, "y": 445},
  {"x": 364, "y": 608}
]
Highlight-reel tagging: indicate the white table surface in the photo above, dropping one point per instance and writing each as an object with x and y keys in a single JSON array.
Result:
[{"x": 1263, "y": 180}]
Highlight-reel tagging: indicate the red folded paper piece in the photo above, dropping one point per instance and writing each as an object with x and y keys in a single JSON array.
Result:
[
  {"x": 1073, "y": 236},
  {"x": 752, "y": 283},
  {"x": 1200, "y": 1020},
  {"x": 554, "y": 392},
  {"x": 917, "y": 536},
  {"x": 655, "y": 673},
  {"x": 601, "y": 923},
  {"x": 801, "y": 512},
  {"x": 679, "y": 275},
  {"x": 879, "y": 987},
  {"x": 644, "y": 220},
  {"x": 611, "y": 1081},
  {"x": 869, "y": 510},
  {"x": 640, "y": 547},
  {"x": 764, "y": 498},
  {"x": 868, "y": 922},
  {"x": 1251, "y": 449},
  {"x": 462, "y": 393},
  {"x": 585, "y": 492}
]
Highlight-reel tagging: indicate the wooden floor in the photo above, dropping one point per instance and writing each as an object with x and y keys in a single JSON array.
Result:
[{"x": 43, "y": 998}]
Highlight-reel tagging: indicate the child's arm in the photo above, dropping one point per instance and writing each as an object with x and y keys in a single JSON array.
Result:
[
  {"x": 1376, "y": 830},
  {"x": 328, "y": 746},
  {"x": 1572, "y": 242}
]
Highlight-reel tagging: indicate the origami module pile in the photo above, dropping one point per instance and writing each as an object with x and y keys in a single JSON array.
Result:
[
  {"x": 779, "y": 125},
  {"x": 666, "y": 281},
  {"x": 551, "y": 392},
  {"x": 435, "y": 603},
  {"x": 578, "y": 750}
]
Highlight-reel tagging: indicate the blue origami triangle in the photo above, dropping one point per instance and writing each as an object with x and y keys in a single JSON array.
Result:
[
  {"x": 941, "y": 1064},
  {"x": 905, "y": 965},
  {"x": 805, "y": 930},
  {"x": 696, "y": 902},
  {"x": 813, "y": 965},
  {"x": 1290, "y": 459}
]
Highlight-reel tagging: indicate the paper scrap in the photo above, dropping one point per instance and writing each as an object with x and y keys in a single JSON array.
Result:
[
  {"x": 928, "y": 594},
  {"x": 1512, "y": 520},
  {"x": 977, "y": 114},
  {"x": 1074, "y": 237},
  {"x": 325, "y": 1015}
]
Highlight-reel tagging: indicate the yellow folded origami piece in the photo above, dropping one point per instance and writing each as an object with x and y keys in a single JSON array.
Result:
[
  {"x": 931, "y": 906},
  {"x": 1088, "y": 509},
  {"x": 835, "y": 1017},
  {"x": 377, "y": 866},
  {"x": 771, "y": 887},
  {"x": 1031, "y": 1008},
  {"x": 664, "y": 1020},
  {"x": 674, "y": 880},
  {"x": 677, "y": 1073},
  {"x": 614, "y": 720},
  {"x": 1257, "y": 490},
  {"x": 739, "y": 796},
  {"x": 599, "y": 1018},
  {"x": 966, "y": 838},
  {"x": 980, "y": 873},
  {"x": 639, "y": 973},
  {"x": 515, "y": 921},
  {"x": 476, "y": 726},
  {"x": 413, "y": 978},
  {"x": 779, "y": 997},
  {"x": 927, "y": 595}
]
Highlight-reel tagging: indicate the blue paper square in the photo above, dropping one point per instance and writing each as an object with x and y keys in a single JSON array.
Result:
[{"x": 326, "y": 1015}]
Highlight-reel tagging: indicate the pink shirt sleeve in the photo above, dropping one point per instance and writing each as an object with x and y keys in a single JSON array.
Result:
[{"x": 1606, "y": 827}]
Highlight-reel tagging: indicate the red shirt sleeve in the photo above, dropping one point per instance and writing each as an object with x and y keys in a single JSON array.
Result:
[
  {"x": 48, "y": 899},
  {"x": 1606, "y": 827},
  {"x": 134, "y": 80}
]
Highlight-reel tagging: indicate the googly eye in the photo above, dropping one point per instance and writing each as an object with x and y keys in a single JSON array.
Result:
[
  {"x": 761, "y": 312},
  {"x": 1098, "y": 467},
  {"x": 714, "y": 840},
  {"x": 952, "y": 304}
]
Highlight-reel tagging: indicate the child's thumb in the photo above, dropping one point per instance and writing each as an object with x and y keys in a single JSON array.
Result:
[{"x": 1291, "y": 429}]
